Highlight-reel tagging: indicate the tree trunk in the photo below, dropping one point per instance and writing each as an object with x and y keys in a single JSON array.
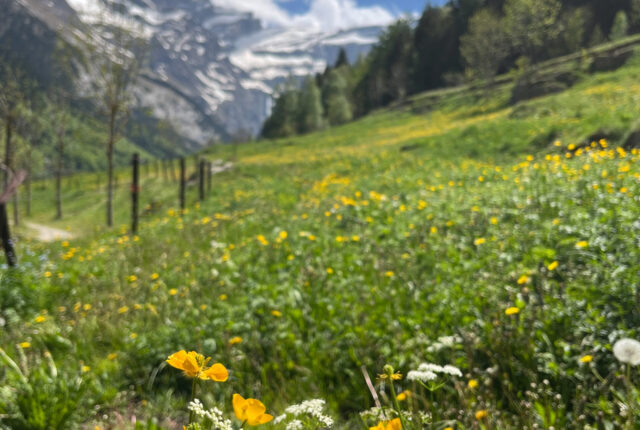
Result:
[
  {"x": 27, "y": 184},
  {"x": 110, "y": 143},
  {"x": 59, "y": 173},
  {"x": 7, "y": 149},
  {"x": 8, "y": 161}
]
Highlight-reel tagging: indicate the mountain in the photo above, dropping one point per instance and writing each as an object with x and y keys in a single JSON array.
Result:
[{"x": 210, "y": 71}]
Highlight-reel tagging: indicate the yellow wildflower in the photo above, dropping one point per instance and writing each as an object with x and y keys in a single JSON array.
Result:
[
  {"x": 553, "y": 266},
  {"x": 194, "y": 366},
  {"x": 250, "y": 411},
  {"x": 394, "y": 424},
  {"x": 40, "y": 319},
  {"x": 473, "y": 383},
  {"x": 25, "y": 345},
  {"x": 479, "y": 241},
  {"x": 512, "y": 311},
  {"x": 235, "y": 340},
  {"x": 582, "y": 244},
  {"x": 483, "y": 413},
  {"x": 586, "y": 359},
  {"x": 276, "y": 313},
  {"x": 403, "y": 396}
]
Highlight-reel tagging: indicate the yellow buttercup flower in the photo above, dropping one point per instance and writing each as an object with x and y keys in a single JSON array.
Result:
[
  {"x": 394, "y": 424},
  {"x": 403, "y": 396},
  {"x": 582, "y": 244},
  {"x": 512, "y": 311},
  {"x": 483, "y": 413},
  {"x": 473, "y": 383},
  {"x": 250, "y": 411},
  {"x": 40, "y": 319},
  {"x": 394, "y": 376},
  {"x": 586, "y": 359},
  {"x": 553, "y": 266},
  {"x": 194, "y": 366},
  {"x": 276, "y": 313},
  {"x": 235, "y": 340},
  {"x": 25, "y": 345},
  {"x": 479, "y": 241}
]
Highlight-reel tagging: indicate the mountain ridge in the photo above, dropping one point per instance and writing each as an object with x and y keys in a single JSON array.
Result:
[{"x": 211, "y": 71}]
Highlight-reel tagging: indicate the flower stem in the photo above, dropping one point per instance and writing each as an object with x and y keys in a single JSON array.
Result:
[
  {"x": 396, "y": 405},
  {"x": 194, "y": 388}
]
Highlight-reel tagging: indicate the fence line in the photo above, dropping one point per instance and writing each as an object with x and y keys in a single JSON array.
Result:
[{"x": 161, "y": 169}]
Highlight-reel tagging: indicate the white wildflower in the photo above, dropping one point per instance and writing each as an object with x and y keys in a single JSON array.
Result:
[
  {"x": 452, "y": 370},
  {"x": 444, "y": 342},
  {"x": 423, "y": 376},
  {"x": 280, "y": 418},
  {"x": 214, "y": 415},
  {"x": 375, "y": 413},
  {"x": 627, "y": 351},
  {"x": 313, "y": 408},
  {"x": 430, "y": 367},
  {"x": 434, "y": 368},
  {"x": 295, "y": 425}
]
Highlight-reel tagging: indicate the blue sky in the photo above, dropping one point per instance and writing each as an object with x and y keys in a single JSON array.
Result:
[{"x": 397, "y": 7}]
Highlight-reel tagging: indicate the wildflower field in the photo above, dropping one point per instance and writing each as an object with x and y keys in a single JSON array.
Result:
[{"x": 472, "y": 266}]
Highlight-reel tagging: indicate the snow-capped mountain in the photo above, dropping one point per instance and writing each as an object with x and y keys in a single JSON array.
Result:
[{"x": 211, "y": 70}]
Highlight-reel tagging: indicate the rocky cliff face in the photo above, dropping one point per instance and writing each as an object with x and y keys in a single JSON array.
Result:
[{"x": 211, "y": 71}]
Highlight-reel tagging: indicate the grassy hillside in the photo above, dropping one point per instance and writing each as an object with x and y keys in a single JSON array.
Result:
[{"x": 399, "y": 239}]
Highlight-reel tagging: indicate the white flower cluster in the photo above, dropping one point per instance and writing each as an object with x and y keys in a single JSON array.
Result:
[
  {"x": 444, "y": 342},
  {"x": 375, "y": 413},
  {"x": 428, "y": 372},
  {"x": 214, "y": 415},
  {"x": 295, "y": 425},
  {"x": 314, "y": 408}
]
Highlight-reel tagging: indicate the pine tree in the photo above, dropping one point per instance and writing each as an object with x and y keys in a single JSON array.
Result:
[
  {"x": 310, "y": 109},
  {"x": 339, "y": 108},
  {"x": 342, "y": 60},
  {"x": 620, "y": 26}
]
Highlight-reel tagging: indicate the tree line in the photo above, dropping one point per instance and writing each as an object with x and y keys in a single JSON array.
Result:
[{"x": 463, "y": 40}]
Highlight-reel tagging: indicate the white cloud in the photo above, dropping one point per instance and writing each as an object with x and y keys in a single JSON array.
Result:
[{"x": 322, "y": 15}]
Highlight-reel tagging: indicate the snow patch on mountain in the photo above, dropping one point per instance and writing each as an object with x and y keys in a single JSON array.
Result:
[{"x": 227, "y": 57}]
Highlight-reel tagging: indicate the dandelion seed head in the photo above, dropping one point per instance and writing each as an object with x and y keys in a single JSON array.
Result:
[{"x": 627, "y": 351}]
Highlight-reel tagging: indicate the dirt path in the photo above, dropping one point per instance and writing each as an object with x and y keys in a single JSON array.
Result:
[{"x": 45, "y": 233}]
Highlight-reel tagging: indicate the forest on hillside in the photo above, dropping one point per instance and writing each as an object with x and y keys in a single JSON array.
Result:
[{"x": 462, "y": 41}]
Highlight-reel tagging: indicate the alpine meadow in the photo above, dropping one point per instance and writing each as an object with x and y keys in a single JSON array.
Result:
[{"x": 420, "y": 221}]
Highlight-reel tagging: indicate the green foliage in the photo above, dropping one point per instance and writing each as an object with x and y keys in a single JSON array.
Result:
[
  {"x": 334, "y": 93},
  {"x": 400, "y": 238},
  {"x": 532, "y": 25},
  {"x": 42, "y": 398},
  {"x": 310, "y": 111},
  {"x": 485, "y": 46},
  {"x": 620, "y": 26}
]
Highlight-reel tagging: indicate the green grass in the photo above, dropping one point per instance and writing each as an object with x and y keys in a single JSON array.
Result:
[{"x": 372, "y": 241}]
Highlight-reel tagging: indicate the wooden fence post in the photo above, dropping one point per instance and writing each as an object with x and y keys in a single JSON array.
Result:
[
  {"x": 13, "y": 182},
  {"x": 5, "y": 236},
  {"x": 135, "y": 190},
  {"x": 165, "y": 173},
  {"x": 182, "y": 182},
  {"x": 209, "y": 176},
  {"x": 201, "y": 179}
]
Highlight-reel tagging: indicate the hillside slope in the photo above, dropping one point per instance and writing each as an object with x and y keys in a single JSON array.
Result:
[{"x": 500, "y": 239}]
